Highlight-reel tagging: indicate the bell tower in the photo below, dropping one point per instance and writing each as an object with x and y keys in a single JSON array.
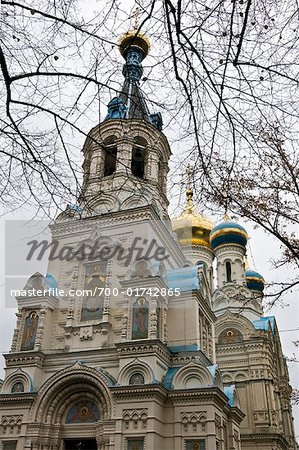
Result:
[{"x": 127, "y": 154}]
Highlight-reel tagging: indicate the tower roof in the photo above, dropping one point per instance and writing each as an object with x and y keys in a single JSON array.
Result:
[
  {"x": 228, "y": 232},
  {"x": 254, "y": 280},
  {"x": 131, "y": 104}
]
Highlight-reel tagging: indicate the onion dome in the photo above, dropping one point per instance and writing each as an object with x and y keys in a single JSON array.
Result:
[
  {"x": 254, "y": 280},
  {"x": 228, "y": 232},
  {"x": 191, "y": 227},
  {"x": 132, "y": 39}
]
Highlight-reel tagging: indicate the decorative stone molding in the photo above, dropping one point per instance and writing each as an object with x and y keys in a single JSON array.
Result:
[
  {"x": 11, "y": 424},
  {"x": 16, "y": 332},
  {"x": 17, "y": 376},
  {"x": 135, "y": 366},
  {"x": 135, "y": 418},
  {"x": 194, "y": 421},
  {"x": 145, "y": 347},
  {"x": 265, "y": 418},
  {"x": 192, "y": 375},
  {"x": 40, "y": 330},
  {"x": 86, "y": 333}
]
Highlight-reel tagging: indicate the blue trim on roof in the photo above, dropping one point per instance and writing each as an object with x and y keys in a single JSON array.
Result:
[
  {"x": 167, "y": 382},
  {"x": 212, "y": 370},
  {"x": 230, "y": 393},
  {"x": 73, "y": 207},
  {"x": 263, "y": 323},
  {"x": 51, "y": 281},
  {"x": 186, "y": 279},
  {"x": 184, "y": 348}
]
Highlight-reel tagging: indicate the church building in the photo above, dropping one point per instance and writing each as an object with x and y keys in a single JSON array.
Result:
[{"x": 158, "y": 341}]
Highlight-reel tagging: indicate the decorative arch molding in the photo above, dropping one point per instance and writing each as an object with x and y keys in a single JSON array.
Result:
[
  {"x": 103, "y": 203},
  {"x": 221, "y": 302},
  {"x": 239, "y": 377},
  {"x": 229, "y": 320},
  {"x": 140, "y": 269},
  {"x": 133, "y": 367},
  {"x": 238, "y": 290},
  {"x": 136, "y": 201},
  {"x": 88, "y": 243},
  {"x": 18, "y": 375},
  {"x": 192, "y": 376},
  {"x": 227, "y": 378},
  {"x": 67, "y": 386}
]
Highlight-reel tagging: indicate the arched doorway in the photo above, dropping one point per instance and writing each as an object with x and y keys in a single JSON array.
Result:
[{"x": 70, "y": 409}]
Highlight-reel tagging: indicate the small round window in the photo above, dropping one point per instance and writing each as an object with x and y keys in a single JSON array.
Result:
[
  {"x": 136, "y": 378},
  {"x": 17, "y": 387}
]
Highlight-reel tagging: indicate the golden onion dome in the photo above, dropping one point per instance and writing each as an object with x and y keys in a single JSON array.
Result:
[
  {"x": 191, "y": 227},
  {"x": 134, "y": 39}
]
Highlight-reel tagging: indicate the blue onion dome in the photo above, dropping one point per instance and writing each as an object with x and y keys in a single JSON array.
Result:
[
  {"x": 228, "y": 232},
  {"x": 254, "y": 280}
]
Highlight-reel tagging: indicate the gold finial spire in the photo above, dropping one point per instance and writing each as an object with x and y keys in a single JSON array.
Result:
[
  {"x": 246, "y": 262},
  {"x": 226, "y": 216},
  {"x": 189, "y": 191}
]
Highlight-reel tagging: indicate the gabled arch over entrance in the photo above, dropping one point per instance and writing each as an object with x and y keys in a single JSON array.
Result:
[{"x": 71, "y": 407}]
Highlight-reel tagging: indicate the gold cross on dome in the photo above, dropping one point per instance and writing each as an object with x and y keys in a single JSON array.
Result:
[
  {"x": 189, "y": 173},
  {"x": 189, "y": 191},
  {"x": 135, "y": 15}
]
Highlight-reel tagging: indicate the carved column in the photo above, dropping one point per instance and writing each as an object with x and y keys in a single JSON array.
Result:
[
  {"x": 152, "y": 332},
  {"x": 16, "y": 333},
  {"x": 124, "y": 330},
  {"x": 164, "y": 336},
  {"x": 73, "y": 286},
  {"x": 96, "y": 163},
  {"x": 124, "y": 155},
  {"x": 40, "y": 330},
  {"x": 106, "y": 313},
  {"x": 163, "y": 176}
]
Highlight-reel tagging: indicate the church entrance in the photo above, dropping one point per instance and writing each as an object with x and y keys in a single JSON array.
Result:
[{"x": 80, "y": 444}]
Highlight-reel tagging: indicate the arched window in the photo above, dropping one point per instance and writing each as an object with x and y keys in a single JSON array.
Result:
[
  {"x": 140, "y": 319},
  {"x": 139, "y": 157},
  {"x": 136, "y": 378},
  {"x": 17, "y": 387},
  {"x": 110, "y": 156},
  {"x": 228, "y": 267},
  {"x": 84, "y": 411}
]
